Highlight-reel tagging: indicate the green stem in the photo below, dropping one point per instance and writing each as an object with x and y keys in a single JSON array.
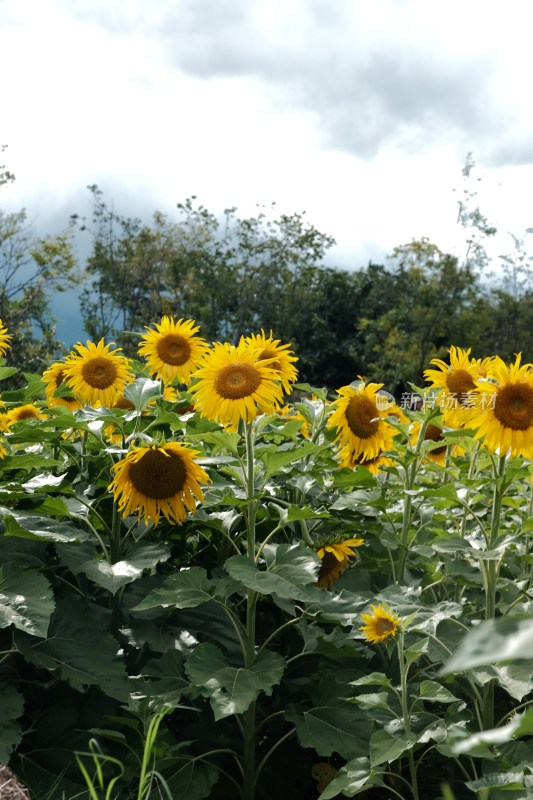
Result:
[
  {"x": 249, "y": 716},
  {"x": 406, "y": 715},
  {"x": 410, "y": 477},
  {"x": 490, "y": 574}
]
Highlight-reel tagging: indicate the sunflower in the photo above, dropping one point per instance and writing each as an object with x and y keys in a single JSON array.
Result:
[
  {"x": 432, "y": 433},
  {"x": 172, "y": 349},
  {"x": 98, "y": 375},
  {"x": 161, "y": 479},
  {"x": 457, "y": 384},
  {"x": 29, "y": 411},
  {"x": 5, "y": 339},
  {"x": 235, "y": 383},
  {"x": 284, "y": 358},
  {"x": 335, "y": 557},
  {"x": 503, "y": 414},
  {"x": 360, "y": 422},
  {"x": 54, "y": 378},
  {"x": 379, "y": 625},
  {"x": 373, "y": 465}
]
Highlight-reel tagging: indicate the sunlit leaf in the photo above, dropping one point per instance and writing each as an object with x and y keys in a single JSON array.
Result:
[{"x": 26, "y": 600}]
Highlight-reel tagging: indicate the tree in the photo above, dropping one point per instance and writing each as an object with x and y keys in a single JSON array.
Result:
[
  {"x": 232, "y": 275},
  {"x": 30, "y": 268}
]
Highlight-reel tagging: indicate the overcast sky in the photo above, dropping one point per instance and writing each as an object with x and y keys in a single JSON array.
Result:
[{"x": 359, "y": 112}]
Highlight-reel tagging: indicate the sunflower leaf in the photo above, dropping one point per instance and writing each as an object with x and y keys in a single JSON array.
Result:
[
  {"x": 232, "y": 689},
  {"x": 493, "y": 641},
  {"x": 350, "y": 779},
  {"x": 332, "y": 728},
  {"x": 142, "y": 391},
  {"x": 185, "y": 589},
  {"x": 26, "y": 600},
  {"x": 11, "y": 708},
  {"x": 114, "y": 576}
]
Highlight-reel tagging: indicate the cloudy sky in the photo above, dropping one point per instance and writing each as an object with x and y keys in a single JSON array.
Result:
[{"x": 360, "y": 113}]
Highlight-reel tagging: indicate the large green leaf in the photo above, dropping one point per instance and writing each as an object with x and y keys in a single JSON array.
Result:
[
  {"x": 11, "y": 708},
  {"x": 493, "y": 641},
  {"x": 31, "y": 526},
  {"x": 185, "y": 589},
  {"x": 114, "y": 576},
  {"x": 142, "y": 391},
  {"x": 26, "y": 600},
  {"x": 190, "y": 780},
  {"x": 232, "y": 689},
  {"x": 294, "y": 567},
  {"x": 384, "y": 748},
  {"x": 351, "y": 779},
  {"x": 330, "y": 729},
  {"x": 519, "y": 725},
  {"x": 79, "y": 650},
  {"x": 275, "y": 459}
]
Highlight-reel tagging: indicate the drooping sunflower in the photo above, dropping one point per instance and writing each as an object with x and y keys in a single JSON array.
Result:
[
  {"x": 361, "y": 424},
  {"x": 432, "y": 433},
  {"x": 161, "y": 479},
  {"x": 457, "y": 384},
  {"x": 335, "y": 556},
  {"x": 5, "y": 339},
  {"x": 380, "y": 625},
  {"x": 373, "y": 465},
  {"x": 55, "y": 379},
  {"x": 283, "y": 357},
  {"x": 235, "y": 383},
  {"x": 19, "y": 413},
  {"x": 172, "y": 349},
  {"x": 503, "y": 414},
  {"x": 97, "y": 375}
]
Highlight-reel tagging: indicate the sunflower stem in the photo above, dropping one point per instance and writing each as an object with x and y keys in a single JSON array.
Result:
[
  {"x": 490, "y": 574},
  {"x": 411, "y": 471},
  {"x": 249, "y": 716},
  {"x": 406, "y": 714}
]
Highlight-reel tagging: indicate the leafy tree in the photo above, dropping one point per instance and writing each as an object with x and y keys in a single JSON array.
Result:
[
  {"x": 231, "y": 275},
  {"x": 30, "y": 269}
]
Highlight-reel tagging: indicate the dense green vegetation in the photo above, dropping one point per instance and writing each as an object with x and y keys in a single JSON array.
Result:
[{"x": 237, "y": 275}]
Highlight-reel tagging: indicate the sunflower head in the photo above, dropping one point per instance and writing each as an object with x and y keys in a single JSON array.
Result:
[
  {"x": 97, "y": 375},
  {"x": 373, "y": 465},
  {"x": 29, "y": 411},
  {"x": 54, "y": 379},
  {"x": 457, "y": 385},
  {"x": 360, "y": 420},
  {"x": 503, "y": 413},
  {"x": 5, "y": 339},
  {"x": 158, "y": 480},
  {"x": 172, "y": 349},
  {"x": 432, "y": 433},
  {"x": 280, "y": 357},
  {"x": 335, "y": 554},
  {"x": 381, "y": 624},
  {"x": 234, "y": 383}
]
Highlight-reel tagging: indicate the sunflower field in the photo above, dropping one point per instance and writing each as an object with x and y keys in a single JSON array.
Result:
[{"x": 218, "y": 582}]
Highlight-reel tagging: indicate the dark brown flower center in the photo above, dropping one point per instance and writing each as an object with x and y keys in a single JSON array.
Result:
[
  {"x": 158, "y": 474},
  {"x": 434, "y": 434},
  {"x": 122, "y": 402},
  {"x": 383, "y": 626},
  {"x": 237, "y": 380},
  {"x": 266, "y": 353},
  {"x": 460, "y": 382},
  {"x": 173, "y": 349},
  {"x": 98, "y": 372},
  {"x": 513, "y": 406},
  {"x": 362, "y": 416},
  {"x": 26, "y": 413}
]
